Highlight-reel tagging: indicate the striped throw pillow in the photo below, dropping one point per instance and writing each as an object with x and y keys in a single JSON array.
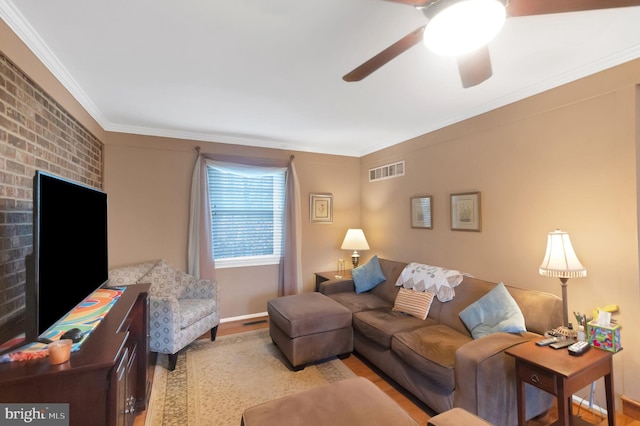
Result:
[{"x": 414, "y": 303}]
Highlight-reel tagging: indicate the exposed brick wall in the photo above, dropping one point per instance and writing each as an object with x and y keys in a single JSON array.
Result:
[{"x": 36, "y": 133}]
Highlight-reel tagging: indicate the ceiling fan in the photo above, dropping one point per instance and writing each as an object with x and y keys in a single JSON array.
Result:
[{"x": 474, "y": 63}]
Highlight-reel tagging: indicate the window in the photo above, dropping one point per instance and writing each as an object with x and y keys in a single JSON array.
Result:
[{"x": 247, "y": 216}]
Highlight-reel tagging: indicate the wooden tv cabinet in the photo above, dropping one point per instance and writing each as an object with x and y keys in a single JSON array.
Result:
[{"x": 106, "y": 382}]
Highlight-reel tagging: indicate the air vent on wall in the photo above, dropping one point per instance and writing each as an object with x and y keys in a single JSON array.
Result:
[{"x": 387, "y": 171}]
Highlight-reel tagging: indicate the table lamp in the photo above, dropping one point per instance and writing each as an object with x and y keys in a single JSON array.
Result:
[
  {"x": 561, "y": 261},
  {"x": 355, "y": 240}
]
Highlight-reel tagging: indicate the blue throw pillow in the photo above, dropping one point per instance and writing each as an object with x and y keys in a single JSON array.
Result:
[
  {"x": 367, "y": 276},
  {"x": 495, "y": 311}
]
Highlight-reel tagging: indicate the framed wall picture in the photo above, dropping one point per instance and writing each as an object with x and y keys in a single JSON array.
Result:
[
  {"x": 465, "y": 212},
  {"x": 321, "y": 208},
  {"x": 421, "y": 212}
]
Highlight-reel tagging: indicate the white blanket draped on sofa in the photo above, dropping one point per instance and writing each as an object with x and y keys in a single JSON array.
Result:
[{"x": 432, "y": 279}]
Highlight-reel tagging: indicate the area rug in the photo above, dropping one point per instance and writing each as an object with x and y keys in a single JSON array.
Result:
[{"x": 214, "y": 382}]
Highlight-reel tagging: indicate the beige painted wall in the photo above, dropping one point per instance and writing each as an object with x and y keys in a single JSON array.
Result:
[
  {"x": 148, "y": 181},
  {"x": 564, "y": 159}
]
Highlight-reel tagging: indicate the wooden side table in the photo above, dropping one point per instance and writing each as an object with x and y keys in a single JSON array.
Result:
[
  {"x": 560, "y": 374},
  {"x": 330, "y": 275}
]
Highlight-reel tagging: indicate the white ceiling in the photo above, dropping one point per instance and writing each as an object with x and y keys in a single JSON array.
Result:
[{"x": 269, "y": 72}]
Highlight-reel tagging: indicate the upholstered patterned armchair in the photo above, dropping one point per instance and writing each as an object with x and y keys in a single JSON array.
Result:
[{"x": 181, "y": 307}]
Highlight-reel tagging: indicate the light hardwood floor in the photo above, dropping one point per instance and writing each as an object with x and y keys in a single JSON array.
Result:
[{"x": 420, "y": 412}]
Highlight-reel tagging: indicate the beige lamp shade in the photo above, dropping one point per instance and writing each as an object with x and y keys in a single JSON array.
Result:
[
  {"x": 355, "y": 240},
  {"x": 560, "y": 260}
]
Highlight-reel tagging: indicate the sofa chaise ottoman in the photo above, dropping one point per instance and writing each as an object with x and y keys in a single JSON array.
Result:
[
  {"x": 353, "y": 402},
  {"x": 310, "y": 327}
]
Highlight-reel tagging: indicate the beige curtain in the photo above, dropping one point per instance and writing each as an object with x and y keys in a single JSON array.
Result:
[
  {"x": 290, "y": 281},
  {"x": 200, "y": 249},
  {"x": 200, "y": 262}
]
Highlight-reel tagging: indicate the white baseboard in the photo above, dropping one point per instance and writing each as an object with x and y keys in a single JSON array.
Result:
[
  {"x": 244, "y": 317},
  {"x": 584, "y": 403}
]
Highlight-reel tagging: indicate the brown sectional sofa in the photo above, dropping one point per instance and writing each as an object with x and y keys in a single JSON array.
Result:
[{"x": 437, "y": 359}]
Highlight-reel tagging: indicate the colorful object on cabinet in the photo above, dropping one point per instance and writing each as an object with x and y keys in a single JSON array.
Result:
[{"x": 86, "y": 316}]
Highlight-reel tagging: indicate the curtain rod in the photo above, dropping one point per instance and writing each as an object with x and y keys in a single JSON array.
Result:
[
  {"x": 197, "y": 148},
  {"x": 291, "y": 158}
]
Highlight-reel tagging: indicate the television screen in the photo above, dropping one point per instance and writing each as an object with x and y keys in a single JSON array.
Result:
[{"x": 69, "y": 247}]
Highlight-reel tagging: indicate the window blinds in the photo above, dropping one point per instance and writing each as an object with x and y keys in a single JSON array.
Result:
[{"x": 247, "y": 214}]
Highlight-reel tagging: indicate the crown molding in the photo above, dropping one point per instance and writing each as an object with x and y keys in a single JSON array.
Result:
[{"x": 29, "y": 36}]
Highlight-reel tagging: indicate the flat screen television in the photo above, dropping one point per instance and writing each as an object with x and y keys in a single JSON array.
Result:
[{"x": 69, "y": 256}]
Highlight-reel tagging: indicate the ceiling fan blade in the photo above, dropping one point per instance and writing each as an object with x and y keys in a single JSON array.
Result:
[
  {"x": 543, "y": 7},
  {"x": 385, "y": 56},
  {"x": 475, "y": 67}
]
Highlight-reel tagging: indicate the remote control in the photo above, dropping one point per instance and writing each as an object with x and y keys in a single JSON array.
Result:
[
  {"x": 579, "y": 348},
  {"x": 562, "y": 343},
  {"x": 547, "y": 342}
]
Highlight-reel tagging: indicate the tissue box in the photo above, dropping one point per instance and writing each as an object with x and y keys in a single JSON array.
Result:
[{"x": 604, "y": 337}]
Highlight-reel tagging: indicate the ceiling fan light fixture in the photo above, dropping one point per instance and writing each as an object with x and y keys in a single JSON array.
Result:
[{"x": 464, "y": 26}]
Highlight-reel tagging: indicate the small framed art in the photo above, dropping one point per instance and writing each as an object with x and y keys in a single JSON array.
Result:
[
  {"x": 421, "y": 212},
  {"x": 321, "y": 208},
  {"x": 465, "y": 212}
]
